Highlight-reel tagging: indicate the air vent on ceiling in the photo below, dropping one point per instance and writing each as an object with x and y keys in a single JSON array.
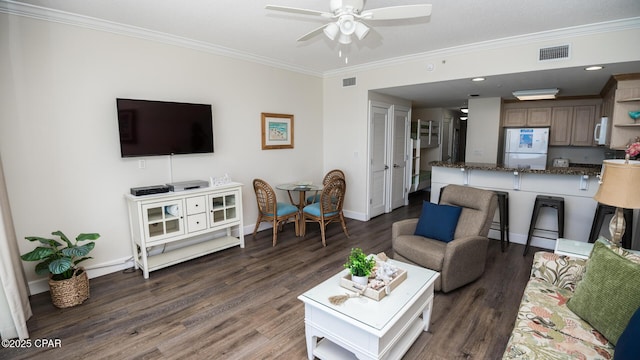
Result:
[
  {"x": 348, "y": 82},
  {"x": 554, "y": 53}
]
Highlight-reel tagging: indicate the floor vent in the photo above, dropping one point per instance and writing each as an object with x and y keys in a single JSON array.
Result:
[
  {"x": 348, "y": 82},
  {"x": 554, "y": 53}
]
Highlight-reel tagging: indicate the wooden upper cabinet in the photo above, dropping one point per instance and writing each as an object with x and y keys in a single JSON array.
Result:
[
  {"x": 534, "y": 117},
  {"x": 561, "y": 125},
  {"x": 539, "y": 117},
  {"x": 584, "y": 122},
  {"x": 515, "y": 117},
  {"x": 573, "y": 125}
]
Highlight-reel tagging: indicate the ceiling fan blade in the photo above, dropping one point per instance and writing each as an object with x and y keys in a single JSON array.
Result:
[
  {"x": 299, "y": 11},
  {"x": 312, "y": 33},
  {"x": 397, "y": 12}
]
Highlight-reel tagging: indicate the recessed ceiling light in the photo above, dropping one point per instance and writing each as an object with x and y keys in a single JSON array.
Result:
[
  {"x": 478, "y": 79},
  {"x": 464, "y": 110},
  {"x": 463, "y": 118},
  {"x": 592, "y": 68}
]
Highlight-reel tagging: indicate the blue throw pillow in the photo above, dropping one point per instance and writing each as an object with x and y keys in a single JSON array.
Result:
[
  {"x": 628, "y": 347},
  {"x": 438, "y": 221}
]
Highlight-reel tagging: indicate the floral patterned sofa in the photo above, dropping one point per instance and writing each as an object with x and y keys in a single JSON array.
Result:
[{"x": 545, "y": 327}]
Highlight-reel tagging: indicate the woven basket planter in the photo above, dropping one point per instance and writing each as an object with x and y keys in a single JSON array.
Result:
[{"x": 70, "y": 292}]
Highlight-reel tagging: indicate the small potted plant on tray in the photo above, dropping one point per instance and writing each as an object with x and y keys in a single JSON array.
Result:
[
  {"x": 360, "y": 266},
  {"x": 68, "y": 283}
]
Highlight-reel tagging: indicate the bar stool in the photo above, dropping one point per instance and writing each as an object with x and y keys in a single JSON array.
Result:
[
  {"x": 503, "y": 213},
  {"x": 554, "y": 202},
  {"x": 603, "y": 210}
]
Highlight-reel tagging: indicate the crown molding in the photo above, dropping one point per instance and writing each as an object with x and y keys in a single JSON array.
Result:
[
  {"x": 62, "y": 17},
  {"x": 41, "y": 13},
  {"x": 551, "y": 35}
]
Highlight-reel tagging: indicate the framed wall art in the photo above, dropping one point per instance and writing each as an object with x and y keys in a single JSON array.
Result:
[{"x": 277, "y": 131}]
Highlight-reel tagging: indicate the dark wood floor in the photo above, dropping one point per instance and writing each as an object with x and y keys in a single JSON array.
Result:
[{"x": 242, "y": 303}]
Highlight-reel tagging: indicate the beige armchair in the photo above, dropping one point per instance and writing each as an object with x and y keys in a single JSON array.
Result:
[{"x": 462, "y": 260}]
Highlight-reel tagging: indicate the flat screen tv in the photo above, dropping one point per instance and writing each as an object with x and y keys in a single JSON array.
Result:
[{"x": 149, "y": 128}]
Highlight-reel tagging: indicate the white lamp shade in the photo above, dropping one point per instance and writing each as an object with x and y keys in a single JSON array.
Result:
[
  {"x": 361, "y": 30},
  {"x": 347, "y": 25},
  {"x": 344, "y": 39},
  {"x": 331, "y": 30}
]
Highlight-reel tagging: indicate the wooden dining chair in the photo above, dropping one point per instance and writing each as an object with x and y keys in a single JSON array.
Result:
[
  {"x": 328, "y": 209},
  {"x": 272, "y": 211},
  {"x": 335, "y": 173}
]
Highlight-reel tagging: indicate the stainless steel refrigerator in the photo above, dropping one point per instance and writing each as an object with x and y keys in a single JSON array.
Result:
[{"x": 526, "y": 148}]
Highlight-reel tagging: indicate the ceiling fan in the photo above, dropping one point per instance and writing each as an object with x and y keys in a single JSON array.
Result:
[{"x": 347, "y": 16}]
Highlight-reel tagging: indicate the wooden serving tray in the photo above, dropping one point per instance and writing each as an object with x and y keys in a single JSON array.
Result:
[{"x": 377, "y": 295}]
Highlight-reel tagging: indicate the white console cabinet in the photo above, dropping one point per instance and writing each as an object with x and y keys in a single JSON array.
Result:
[{"x": 186, "y": 216}]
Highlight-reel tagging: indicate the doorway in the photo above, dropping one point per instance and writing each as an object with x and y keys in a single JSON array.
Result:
[{"x": 388, "y": 156}]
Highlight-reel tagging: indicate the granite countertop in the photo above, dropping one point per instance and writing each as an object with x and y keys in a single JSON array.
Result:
[{"x": 582, "y": 169}]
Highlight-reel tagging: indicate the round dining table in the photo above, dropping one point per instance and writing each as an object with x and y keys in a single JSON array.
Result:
[{"x": 302, "y": 190}]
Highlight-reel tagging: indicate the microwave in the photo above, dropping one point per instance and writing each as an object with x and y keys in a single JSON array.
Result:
[{"x": 600, "y": 131}]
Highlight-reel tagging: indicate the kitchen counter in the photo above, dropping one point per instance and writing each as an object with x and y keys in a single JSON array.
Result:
[
  {"x": 589, "y": 170},
  {"x": 577, "y": 185}
]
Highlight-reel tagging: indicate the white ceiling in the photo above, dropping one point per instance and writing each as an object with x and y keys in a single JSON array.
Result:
[{"x": 245, "y": 27}]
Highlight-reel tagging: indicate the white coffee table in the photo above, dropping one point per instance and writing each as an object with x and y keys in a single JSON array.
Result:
[{"x": 364, "y": 328}]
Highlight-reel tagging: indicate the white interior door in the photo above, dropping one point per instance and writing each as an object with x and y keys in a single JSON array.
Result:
[
  {"x": 379, "y": 118},
  {"x": 399, "y": 156}
]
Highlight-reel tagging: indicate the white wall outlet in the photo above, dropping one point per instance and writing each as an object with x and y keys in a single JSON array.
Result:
[{"x": 142, "y": 164}]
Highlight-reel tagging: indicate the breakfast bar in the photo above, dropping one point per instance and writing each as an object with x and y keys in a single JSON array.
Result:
[{"x": 577, "y": 185}]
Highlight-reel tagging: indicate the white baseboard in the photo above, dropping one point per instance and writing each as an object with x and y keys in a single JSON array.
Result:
[
  {"x": 42, "y": 285},
  {"x": 355, "y": 215},
  {"x": 522, "y": 239}
]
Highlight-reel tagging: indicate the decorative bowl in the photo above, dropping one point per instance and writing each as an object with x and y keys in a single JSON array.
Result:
[{"x": 635, "y": 115}]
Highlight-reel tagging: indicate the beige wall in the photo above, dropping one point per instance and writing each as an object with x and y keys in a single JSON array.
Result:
[
  {"x": 59, "y": 136},
  {"x": 59, "y": 140},
  {"x": 483, "y": 128},
  {"x": 347, "y": 107}
]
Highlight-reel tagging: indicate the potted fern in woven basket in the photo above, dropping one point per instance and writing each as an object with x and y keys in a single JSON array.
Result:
[{"x": 68, "y": 282}]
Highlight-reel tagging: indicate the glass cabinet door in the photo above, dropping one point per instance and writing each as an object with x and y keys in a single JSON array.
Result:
[
  {"x": 163, "y": 219},
  {"x": 223, "y": 208}
]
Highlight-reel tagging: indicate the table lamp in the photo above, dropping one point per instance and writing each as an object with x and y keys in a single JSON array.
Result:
[{"x": 619, "y": 187}]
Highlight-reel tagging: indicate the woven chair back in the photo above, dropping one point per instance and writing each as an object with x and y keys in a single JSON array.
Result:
[
  {"x": 332, "y": 196},
  {"x": 265, "y": 196},
  {"x": 335, "y": 173}
]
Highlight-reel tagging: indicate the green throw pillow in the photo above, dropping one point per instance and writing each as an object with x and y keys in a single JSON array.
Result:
[{"x": 608, "y": 293}]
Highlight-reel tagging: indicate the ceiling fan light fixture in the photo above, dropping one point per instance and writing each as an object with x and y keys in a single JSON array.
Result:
[
  {"x": 361, "y": 30},
  {"x": 331, "y": 30},
  {"x": 346, "y": 15},
  {"x": 540, "y": 94},
  {"x": 344, "y": 39},
  {"x": 347, "y": 24}
]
